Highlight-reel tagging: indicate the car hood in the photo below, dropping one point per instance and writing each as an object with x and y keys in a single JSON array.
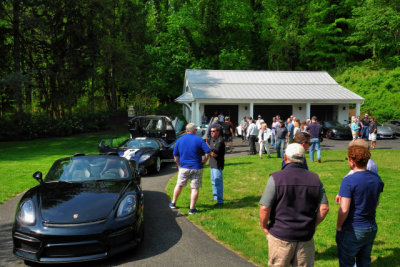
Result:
[
  {"x": 79, "y": 202},
  {"x": 340, "y": 128},
  {"x": 384, "y": 129}
]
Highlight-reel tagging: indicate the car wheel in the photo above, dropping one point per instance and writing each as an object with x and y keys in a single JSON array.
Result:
[{"x": 157, "y": 165}]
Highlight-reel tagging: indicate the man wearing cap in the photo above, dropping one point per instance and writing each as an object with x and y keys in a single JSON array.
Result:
[
  {"x": 292, "y": 205},
  {"x": 315, "y": 129},
  {"x": 190, "y": 154}
]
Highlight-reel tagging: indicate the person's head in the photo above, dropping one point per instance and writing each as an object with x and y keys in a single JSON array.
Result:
[
  {"x": 366, "y": 115},
  {"x": 280, "y": 123},
  {"x": 191, "y": 128},
  {"x": 215, "y": 120},
  {"x": 371, "y": 119},
  {"x": 289, "y": 120},
  {"x": 358, "y": 156},
  {"x": 226, "y": 118},
  {"x": 303, "y": 139},
  {"x": 308, "y": 121},
  {"x": 215, "y": 131},
  {"x": 273, "y": 119},
  {"x": 296, "y": 124},
  {"x": 244, "y": 118},
  {"x": 259, "y": 117},
  {"x": 249, "y": 118},
  {"x": 263, "y": 126},
  {"x": 359, "y": 142},
  {"x": 353, "y": 119},
  {"x": 314, "y": 119},
  {"x": 294, "y": 153},
  {"x": 278, "y": 117}
]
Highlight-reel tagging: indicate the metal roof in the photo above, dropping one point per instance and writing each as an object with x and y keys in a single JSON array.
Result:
[{"x": 266, "y": 85}]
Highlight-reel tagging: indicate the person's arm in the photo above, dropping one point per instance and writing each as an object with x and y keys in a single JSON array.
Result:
[
  {"x": 231, "y": 128},
  {"x": 206, "y": 157},
  {"x": 343, "y": 212},
  {"x": 176, "y": 158},
  {"x": 264, "y": 214},
  {"x": 323, "y": 210}
]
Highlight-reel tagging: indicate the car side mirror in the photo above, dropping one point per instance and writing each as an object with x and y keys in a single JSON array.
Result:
[{"x": 38, "y": 177}]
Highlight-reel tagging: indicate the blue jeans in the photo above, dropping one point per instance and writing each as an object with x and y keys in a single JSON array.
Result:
[
  {"x": 280, "y": 147},
  {"x": 355, "y": 246},
  {"x": 217, "y": 185},
  {"x": 272, "y": 140},
  {"x": 365, "y": 132},
  {"x": 315, "y": 145}
]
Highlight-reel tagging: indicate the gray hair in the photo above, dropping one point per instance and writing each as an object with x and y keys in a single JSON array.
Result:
[
  {"x": 295, "y": 153},
  {"x": 190, "y": 127}
]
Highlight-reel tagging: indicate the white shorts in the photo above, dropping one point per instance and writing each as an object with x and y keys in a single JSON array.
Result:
[{"x": 372, "y": 137}]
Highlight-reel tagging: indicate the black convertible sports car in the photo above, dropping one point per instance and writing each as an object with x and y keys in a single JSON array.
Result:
[
  {"x": 335, "y": 130},
  {"x": 148, "y": 153},
  {"x": 86, "y": 208}
]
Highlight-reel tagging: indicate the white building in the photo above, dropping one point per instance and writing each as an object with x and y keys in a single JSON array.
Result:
[{"x": 267, "y": 93}]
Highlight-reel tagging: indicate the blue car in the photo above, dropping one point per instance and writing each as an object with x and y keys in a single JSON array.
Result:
[{"x": 148, "y": 153}]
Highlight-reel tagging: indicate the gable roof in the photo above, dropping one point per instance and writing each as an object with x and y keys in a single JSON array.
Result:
[{"x": 315, "y": 86}]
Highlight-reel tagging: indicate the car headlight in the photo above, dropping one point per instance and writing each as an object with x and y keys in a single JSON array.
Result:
[
  {"x": 144, "y": 157},
  {"x": 334, "y": 130},
  {"x": 127, "y": 206},
  {"x": 26, "y": 213}
]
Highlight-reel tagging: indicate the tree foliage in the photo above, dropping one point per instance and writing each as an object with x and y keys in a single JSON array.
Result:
[{"x": 65, "y": 57}]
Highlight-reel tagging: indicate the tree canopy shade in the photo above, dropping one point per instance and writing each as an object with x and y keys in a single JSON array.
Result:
[{"x": 62, "y": 57}]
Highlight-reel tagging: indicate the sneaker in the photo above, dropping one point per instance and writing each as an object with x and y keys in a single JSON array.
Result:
[
  {"x": 193, "y": 211},
  {"x": 172, "y": 205},
  {"x": 319, "y": 160}
]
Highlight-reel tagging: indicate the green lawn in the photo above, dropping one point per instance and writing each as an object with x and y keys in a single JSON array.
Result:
[
  {"x": 19, "y": 160},
  {"x": 236, "y": 224}
]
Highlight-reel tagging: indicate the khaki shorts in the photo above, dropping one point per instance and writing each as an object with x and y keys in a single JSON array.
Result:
[
  {"x": 195, "y": 176},
  {"x": 283, "y": 253}
]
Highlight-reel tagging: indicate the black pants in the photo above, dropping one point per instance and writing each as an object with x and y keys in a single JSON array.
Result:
[{"x": 252, "y": 144}]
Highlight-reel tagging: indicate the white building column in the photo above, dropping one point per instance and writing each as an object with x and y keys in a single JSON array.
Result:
[
  {"x": 251, "y": 110},
  {"x": 308, "y": 110},
  {"x": 358, "y": 106},
  {"x": 197, "y": 114},
  {"x": 193, "y": 111}
]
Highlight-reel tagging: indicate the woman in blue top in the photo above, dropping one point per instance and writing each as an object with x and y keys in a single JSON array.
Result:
[
  {"x": 359, "y": 195},
  {"x": 354, "y": 128}
]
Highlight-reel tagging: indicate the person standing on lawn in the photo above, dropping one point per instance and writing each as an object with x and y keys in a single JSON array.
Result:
[
  {"x": 217, "y": 160},
  {"x": 365, "y": 127},
  {"x": 274, "y": 124},
  {"x": 315, "y": 129},
  {"x": 281, "y": 133},
  {"x": 227, "y": 126},
  {"x": 359, "y": 197},
  {"x": 244, "y": 124},
  {"x": 263, "y": 135},
  {"x": 190, "y": 154},
  {"x": 251, "y": 136},
  {"x": 292, "y": 205}
]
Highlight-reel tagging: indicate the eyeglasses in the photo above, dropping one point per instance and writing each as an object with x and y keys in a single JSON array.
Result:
[{"x": 213, "y": 131}]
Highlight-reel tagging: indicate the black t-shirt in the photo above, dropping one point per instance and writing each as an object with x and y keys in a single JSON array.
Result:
[
  {"x": 372, "y": 127},
  {"x": 218, "y": 147},
  {"x": 226, "y": 127},
  {"x": 365, "y": 121}
]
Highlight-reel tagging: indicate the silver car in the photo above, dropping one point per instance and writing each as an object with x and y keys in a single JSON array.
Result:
[
  {"x": 394, "y": 125},
  {"x": 384, "y": 132}
]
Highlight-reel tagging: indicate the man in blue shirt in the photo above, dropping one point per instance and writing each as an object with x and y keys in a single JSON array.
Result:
[
  {"x": 359, "y": 196},
  {"x": 290, "y": 128},
  {"x": 190, "y": 154},
  {"x": 315, "y": 129}
]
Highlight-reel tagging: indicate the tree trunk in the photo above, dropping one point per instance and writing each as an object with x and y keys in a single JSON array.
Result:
[{"x": 17, "y": 57}]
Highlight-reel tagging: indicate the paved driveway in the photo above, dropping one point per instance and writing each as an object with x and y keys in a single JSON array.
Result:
[{"x": 170, "y": 239}]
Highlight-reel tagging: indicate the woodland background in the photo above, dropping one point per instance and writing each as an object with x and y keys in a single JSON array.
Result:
[{"x": 65, "y": 66}]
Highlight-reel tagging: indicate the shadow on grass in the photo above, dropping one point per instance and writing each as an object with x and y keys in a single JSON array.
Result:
[
  {"x": 392, "y": 258},
  {"x": 249, "y": 201}
]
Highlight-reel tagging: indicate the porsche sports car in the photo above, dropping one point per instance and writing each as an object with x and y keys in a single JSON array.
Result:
[
  {"x": 86, "y": 208},
  {"x": 335, "y": 130},
  {"x": 153, "y": 126},
  {"x": 394, "y": 125},
  {"x": 148, "y": 153},
  {"x": 384, "y": 131}
]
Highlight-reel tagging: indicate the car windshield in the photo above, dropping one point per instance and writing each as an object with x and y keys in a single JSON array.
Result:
[
  {"x": 332, "y": 124},
  {"x": 140, "y": 143},
  {"x": 88, "y": 168}
]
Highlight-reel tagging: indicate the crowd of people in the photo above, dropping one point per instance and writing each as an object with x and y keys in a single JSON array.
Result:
[
  {"x": 294, "y": 201},
  {"x": 364, "y": 128}
]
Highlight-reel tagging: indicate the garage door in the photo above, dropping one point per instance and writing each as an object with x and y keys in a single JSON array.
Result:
[
  {"x": 227, "y": 110},
  {"x": 325, "y": 112},
  {"x": 269, "y": 111}
]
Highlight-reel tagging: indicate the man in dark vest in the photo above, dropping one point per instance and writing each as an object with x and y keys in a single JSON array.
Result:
[{"x": 292, "y": 205}]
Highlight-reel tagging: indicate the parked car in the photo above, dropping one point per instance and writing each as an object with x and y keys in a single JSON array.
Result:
[
  {"x": 148, "y": 153},
  {"x": 335, "y": 130},
  {"x": 86, "y": 208},
  {"x": 384, "y": 132},
  {"x": 156, "y": 126},
  {"x": 394, "y": 125}
]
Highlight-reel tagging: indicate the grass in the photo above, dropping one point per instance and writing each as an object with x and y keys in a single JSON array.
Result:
[
  {"x": 236, "y": 224},
  {"x": 19, "y": 160}
]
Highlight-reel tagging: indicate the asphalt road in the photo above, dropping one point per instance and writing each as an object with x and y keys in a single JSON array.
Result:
[{"x": 170, "y": 239}]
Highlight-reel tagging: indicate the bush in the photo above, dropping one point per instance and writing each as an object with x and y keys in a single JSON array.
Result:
[{"x": 31, "y": 126}]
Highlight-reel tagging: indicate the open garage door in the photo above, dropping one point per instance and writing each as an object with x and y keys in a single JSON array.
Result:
[
  {"x": 324, "y": 112},
  {"x": 269, "y": 111},
  {"x": 228, "y": 110}
]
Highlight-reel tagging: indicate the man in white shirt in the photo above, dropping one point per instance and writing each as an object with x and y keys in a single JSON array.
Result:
[{"x": 252, "y": 133}]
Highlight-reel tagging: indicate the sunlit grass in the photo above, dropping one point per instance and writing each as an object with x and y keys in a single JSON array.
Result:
[
  {"x": 236, "y": 224},
  {"x": 19, "y": 160}
]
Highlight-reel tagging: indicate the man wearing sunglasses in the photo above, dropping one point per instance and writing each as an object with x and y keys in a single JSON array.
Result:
[{"x": 217, "y": 160}]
